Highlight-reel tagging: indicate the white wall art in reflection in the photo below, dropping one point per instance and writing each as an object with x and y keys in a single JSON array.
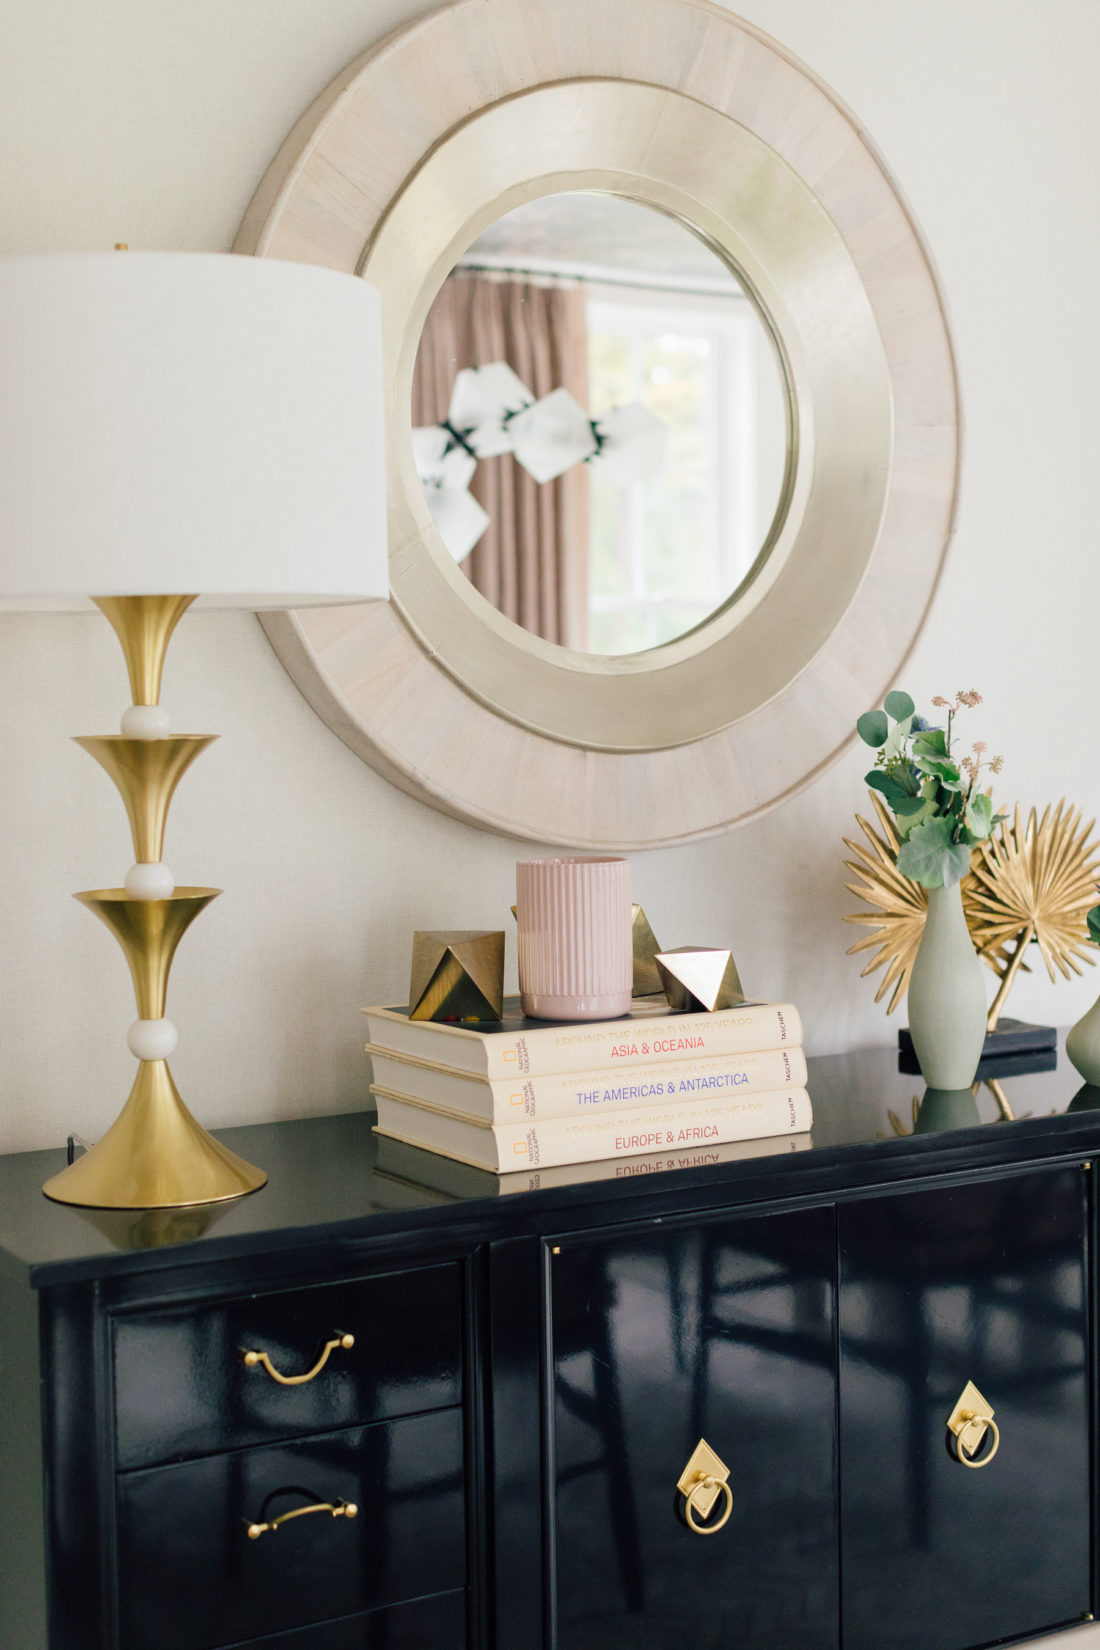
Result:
[{"x": 491, "y": 413}]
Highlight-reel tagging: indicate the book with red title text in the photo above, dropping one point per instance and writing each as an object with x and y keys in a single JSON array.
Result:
[
  {"x": 584, "y": 1093},
  {"x": 651, "y": 1032},
  {"x": 677, "y": 1125}
]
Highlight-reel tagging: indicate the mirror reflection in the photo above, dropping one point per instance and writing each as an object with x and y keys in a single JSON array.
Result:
[{"x": 599, "y": 423}]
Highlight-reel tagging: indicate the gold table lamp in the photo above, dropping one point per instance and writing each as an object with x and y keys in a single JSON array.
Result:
[{"x": 179, "y": 428}]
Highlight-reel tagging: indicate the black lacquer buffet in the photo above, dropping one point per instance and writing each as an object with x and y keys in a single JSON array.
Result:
[{"x": 371, "y": 1408}]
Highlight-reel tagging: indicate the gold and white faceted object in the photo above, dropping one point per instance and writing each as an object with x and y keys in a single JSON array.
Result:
[{"x": 699, "y": 980}]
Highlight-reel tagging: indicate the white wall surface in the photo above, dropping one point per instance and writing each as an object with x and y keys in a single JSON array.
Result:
[{"x": 152, "y": 123}]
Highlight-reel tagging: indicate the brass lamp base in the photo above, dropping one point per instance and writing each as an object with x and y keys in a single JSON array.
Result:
[{"x": 154, "y": 1156}]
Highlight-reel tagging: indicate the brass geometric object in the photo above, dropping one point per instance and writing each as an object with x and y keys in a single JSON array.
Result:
[
  {"x": 1036, "y": 879},
  {"x": 146, "y": 772},
  {"x": 647, "y": 976},
  {"x": 155, "y": 1155},
  {"x": 457, "y": 975},
  {"x": 699, "y": 979}
]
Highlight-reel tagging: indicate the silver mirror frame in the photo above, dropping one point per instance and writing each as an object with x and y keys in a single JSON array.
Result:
[{"x": 412, "y": 152}]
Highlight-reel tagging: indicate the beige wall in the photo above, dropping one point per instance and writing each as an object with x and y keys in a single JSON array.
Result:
[{"x": 150, "y": 122}]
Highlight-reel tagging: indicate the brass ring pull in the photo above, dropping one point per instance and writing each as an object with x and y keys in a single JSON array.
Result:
[
  {"x": 969, "y": 1458},
  {"x": 254, "y": 1358},
  {"x": 338, "y": 1509},
  {"x": 697, "y": 1488}
]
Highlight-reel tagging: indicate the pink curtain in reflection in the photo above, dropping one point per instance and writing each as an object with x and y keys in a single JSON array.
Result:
[{"x": 532, "y": 561}]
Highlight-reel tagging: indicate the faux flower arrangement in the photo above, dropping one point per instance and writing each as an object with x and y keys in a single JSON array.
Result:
[{"x": 941, "y": 814}]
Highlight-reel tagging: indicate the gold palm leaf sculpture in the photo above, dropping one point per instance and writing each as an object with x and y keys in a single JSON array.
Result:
[
  {"x": 1036, "y": 879},
  {"x": 900, "y": 905}
]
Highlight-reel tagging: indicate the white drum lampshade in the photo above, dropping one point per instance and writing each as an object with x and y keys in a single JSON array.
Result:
[
  {"x": 179, "y": 428},
  {"x": 189, "y": 422}
]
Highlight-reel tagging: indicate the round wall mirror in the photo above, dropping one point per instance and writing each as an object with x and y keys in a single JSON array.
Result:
[
  {"x": 601, "y": 423},
  {"x": 676, "y": 668}
]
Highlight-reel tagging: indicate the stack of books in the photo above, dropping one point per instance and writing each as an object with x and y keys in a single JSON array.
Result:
[{"x": 531, "y": 1094}]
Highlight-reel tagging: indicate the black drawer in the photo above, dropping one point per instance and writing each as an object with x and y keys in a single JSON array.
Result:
[
  {"x": 426, "y": 1624},
  {"x": 191, "y": 1578},
  {"x": 182, "y": 1387}
]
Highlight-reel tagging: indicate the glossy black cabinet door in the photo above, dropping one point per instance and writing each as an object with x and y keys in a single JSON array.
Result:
[
  {"x": 720, "y": 1331},
  {"x": 984, "y": 1283}
]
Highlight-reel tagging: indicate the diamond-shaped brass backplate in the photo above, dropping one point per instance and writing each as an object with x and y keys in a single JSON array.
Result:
[
  {"x": 704, "y": 1463},
  {"x": 970, "y": 1418}
]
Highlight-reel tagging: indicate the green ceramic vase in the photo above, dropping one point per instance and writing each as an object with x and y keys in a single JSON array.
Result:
[
  {"x": 1083, "y": 1044},
  {"x": 947, "y": 998}
]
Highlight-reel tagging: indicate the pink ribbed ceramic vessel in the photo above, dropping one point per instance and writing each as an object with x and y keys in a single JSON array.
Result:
[{"x": 576, "y": 952}]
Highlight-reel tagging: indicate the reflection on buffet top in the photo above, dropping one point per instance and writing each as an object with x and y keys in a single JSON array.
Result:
[
  {"x": 862, "y": 1091},
  {"x": 333, "y": 1178}
]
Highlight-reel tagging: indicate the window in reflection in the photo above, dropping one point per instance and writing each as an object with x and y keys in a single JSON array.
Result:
[{"x": 668, "y": 549}]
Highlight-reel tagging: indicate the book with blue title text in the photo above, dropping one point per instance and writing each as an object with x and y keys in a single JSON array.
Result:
[{"x": 584, "y": 1093}]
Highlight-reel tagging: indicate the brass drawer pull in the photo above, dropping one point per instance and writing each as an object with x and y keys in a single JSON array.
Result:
[
  {"x": 702, "y": 1481},
  {"x": 338, "y": 1509},
  {"x": 254, "y": 1358},
  {"x": 969, "y": 1422}
]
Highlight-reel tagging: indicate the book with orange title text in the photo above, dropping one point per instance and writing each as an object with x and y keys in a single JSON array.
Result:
[
  {"x": 584, "y": 1093},
  {"x": 518, "y": 1047},
  {"x": 680, "y": 1124},
  {"x": 413, "y": 1177}
]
